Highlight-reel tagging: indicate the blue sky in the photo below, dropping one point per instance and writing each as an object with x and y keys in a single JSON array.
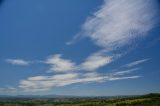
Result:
[{"x": 79, "y": 47}]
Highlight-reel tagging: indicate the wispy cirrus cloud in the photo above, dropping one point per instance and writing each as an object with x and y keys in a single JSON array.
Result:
[
  {"x": 71, "y": 73},
  {"x": 92, "y": 63},
  {"x": 116, "y": 25},
  {"x": 135, "y": 63},
  {"x": 44, "y": 83},
  {"x": 123, "y": 78},
  {"x": 120, "y": 22},
  {"x": 95, "y": 61},
  {"x": 17, "y": 62},
  {"x": 126, "y": 71},
  {"x": 58, "y": 64}
]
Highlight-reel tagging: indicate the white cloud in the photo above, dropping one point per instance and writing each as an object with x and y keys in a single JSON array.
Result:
[
  {"x": 58, "y": 64},
  {"x": 95, "y": 61},
  {"x": 43, "y": 83},
  {"x": 123, "y": 78},
  {"x": 47, "y": 82},
  {"x": 135, "y": 63},
  {"x": 120, "y": 22},
  {"x": 126, "y": 71},
  {"x": 17, "y": 61},
  {"x": 91, "y": 74},
  {"x": 115, "y": 26},
  {"x": 37, "y": 78}
]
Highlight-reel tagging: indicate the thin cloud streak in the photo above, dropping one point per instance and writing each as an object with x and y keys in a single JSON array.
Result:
[
  {"x": 135, "y": 63},
  {"x": 17, "y": 62},
  {"x": 126, "y": 71},
  {"x": 45, "y": 83}
]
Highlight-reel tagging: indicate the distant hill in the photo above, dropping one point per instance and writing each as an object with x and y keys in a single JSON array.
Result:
[{"x": 152, "y": 99}]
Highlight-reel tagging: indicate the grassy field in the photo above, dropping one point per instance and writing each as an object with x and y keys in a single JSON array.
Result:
[{"x": 146, "y": 100}]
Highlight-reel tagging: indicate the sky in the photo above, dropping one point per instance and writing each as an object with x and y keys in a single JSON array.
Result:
[{"x": 79, "y": 47}]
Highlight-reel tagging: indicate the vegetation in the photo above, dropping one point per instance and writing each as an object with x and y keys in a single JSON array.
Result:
[{"x": 146, "y": 100}]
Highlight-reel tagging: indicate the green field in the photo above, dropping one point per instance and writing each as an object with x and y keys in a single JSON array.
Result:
[{"x": 146, "y": 100}]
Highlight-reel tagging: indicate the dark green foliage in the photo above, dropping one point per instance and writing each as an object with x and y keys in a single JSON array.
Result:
[{"x": 146, "y": 100}]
